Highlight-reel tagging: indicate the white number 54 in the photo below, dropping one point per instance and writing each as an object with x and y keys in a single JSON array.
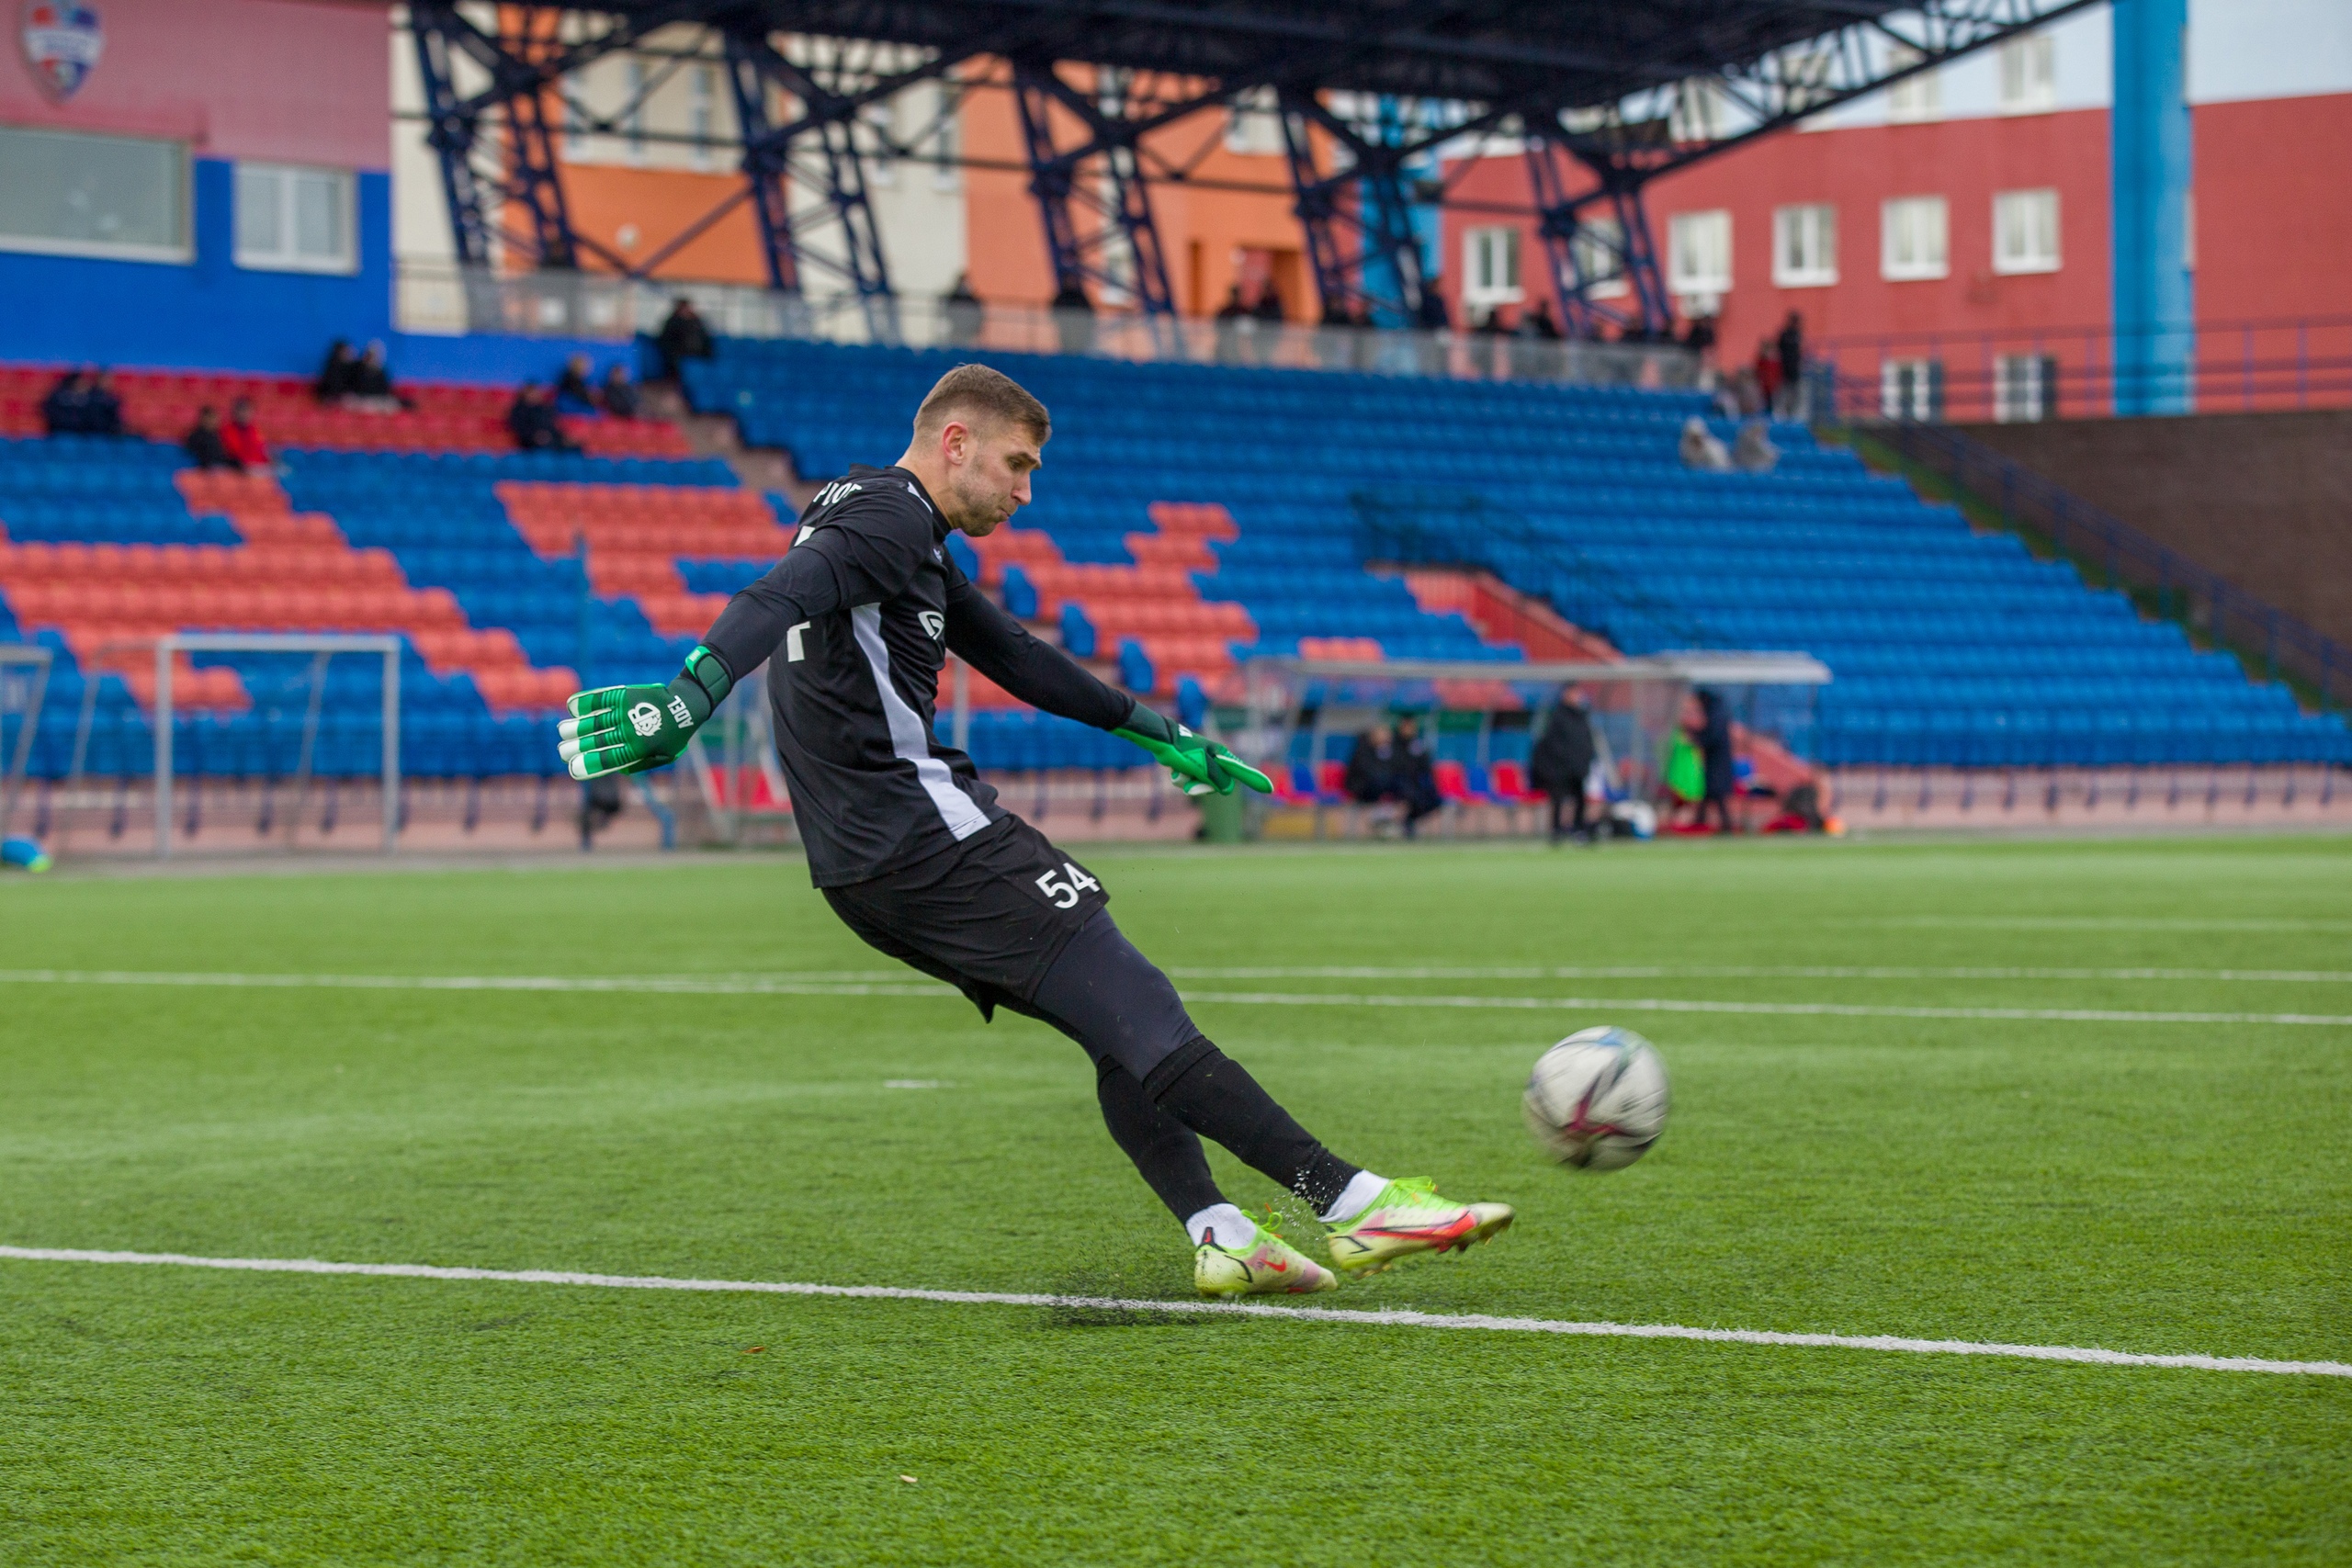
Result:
[{"x": 1064, "y": 894}]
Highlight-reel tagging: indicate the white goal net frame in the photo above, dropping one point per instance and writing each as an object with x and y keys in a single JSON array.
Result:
[{"x": 323, "y": 649}]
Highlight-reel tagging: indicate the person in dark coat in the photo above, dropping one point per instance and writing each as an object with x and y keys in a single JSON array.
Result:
[
  {"x": 67, "y": 409},
  {"x": 1561, "y": 761},
  {"x": 102, "y": 414},
  {"x": 1366, "y": 779},
  {"x": 574, "y": 393},
  {"x": 1414, "y": 776},
  {"x": 619, "y": 394},
  {"x": 532, "y": 421},
  {"x": 1713, "y": 738},
  {"x": 1789, "y": 349},
  {"x": 683, "y": 337},
  {"x": 205, "y": 445},
  {"x": 337, "y": 375}
]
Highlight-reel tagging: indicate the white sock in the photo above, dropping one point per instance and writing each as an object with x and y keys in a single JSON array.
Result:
[
  {"x": 1354, "y": 1198},
  {"x": 1229, "y": 1226}
]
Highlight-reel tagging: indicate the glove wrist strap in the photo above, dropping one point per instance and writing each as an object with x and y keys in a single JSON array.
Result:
[{"x": 709, "y": 672}]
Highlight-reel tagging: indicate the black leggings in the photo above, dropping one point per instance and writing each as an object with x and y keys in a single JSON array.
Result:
[
  {"x": 1560, "y": 803},
  {"x": 1162, "y": 1084}
]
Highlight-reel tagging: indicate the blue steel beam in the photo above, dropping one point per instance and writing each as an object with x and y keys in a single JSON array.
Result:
[{"x": 1059, "y": 182}]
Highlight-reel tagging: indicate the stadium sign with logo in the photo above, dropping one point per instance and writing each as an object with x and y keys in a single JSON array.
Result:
[{"x": 62, "y": 40}]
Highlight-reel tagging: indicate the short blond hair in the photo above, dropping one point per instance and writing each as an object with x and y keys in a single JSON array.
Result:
[{"x": 984, "y": 397}]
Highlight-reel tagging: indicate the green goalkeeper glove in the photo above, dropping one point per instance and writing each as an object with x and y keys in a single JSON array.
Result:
[
  {"x": 627, "y": 730},
  {"x": 1196, "y": 763}
]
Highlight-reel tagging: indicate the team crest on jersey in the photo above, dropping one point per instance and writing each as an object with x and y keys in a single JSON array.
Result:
[
  {"x": 62, "y": 40},
  {"x": 933, "y": 623}
]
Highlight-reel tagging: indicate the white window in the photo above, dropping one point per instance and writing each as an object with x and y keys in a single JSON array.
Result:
[
  {"x": 948, "y": 144},
  {"x": 1698, "y": 252},
  {"x": 2025, "y": 388},
  {"x": 1805, "y": 246},
  {"x": 702, "y": 111},
  {"x": 295, "y": 220},
  {"x": 2025, "y": 232},
  {"x": 1490, "y": 266},
  {"x": 2029, "y": 74},
  {"x": 1911, "y": 389},
  {"x": 97, "y": 195},
  {"x": 1600, "y": 251},
  {"x": 1253, "y": 126},
  {"x": 633, "y": 122},
  {"x": 1915, "y": 99},
  {"x": 1914, "y": 239},
  {"x": 1700, "y": 112}
]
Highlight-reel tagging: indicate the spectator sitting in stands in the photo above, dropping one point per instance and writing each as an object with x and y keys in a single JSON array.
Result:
[
  {"x": 67, "y": 409},
  {"x": 1233, "y": 310},
  {"x": 1494, "y": 325},
  {"x": 1413, "y": 776},
  {"x": 240, "y": 438},
  {"x": 1701, "y": 449},
  {"x": 573, "y": 391},
  {"x": 620, "y": 393},
  {"x": 1752, "y": 451},
  {"x": 371, "y": 385},
  {"x": 532, "y": 419},
  {"x": 1537, "y": 322},
  {"x": 683, "y": 337},
  {"x": 102, "y": 411},
  {"x": 965, "y": 312},
  {"x": 335, "y": 382},
  {"x": 205, "y": 445},
  {"x": 1270, "y": 306}
]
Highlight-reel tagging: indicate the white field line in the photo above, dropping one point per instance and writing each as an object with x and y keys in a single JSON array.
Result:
[
  {"x": 1222, "y": 1308},
  {"x": 787, "y": 986},
  {"x": 1726, "y": 972}
]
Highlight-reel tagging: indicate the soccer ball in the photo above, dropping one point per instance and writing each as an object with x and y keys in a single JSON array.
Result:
[{"x": 1598, "y": 1099}]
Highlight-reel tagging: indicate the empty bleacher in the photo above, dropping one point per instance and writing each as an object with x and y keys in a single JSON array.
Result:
[{"x": 1949, "y": 647}]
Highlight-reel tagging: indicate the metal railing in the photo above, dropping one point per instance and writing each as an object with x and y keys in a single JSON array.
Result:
[
  {"x": 2182, "y": 590},
  {"x": 437, "y": 297},
  {"x": 2023, "y": 373}
]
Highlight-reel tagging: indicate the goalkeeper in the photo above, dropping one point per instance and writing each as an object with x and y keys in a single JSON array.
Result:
[{"x": 913, "y": 851}]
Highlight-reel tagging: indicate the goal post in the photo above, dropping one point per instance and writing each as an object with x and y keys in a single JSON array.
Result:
[
  {"x": 23, "y": 688},
  {"x": 325, "y": 647}
]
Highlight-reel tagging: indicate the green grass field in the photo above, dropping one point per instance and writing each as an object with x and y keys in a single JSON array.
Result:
[{"x": 2142, "y": 1186}]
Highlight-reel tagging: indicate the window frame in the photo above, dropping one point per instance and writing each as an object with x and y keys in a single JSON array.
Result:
[
  {"x": 2029, "y": 266},
  {"x": 1821, "y": 217},
  {"x": 1890, "y": 269},
  {"x": 2037, "y": 90},
  {"x": 1919, "y": 98},
  {"x": 344, "y": 265},
  {"x": 1680, "y": 280},
  {"x": 180, "y": 254},
  {"x": 1474, "y": 292}
]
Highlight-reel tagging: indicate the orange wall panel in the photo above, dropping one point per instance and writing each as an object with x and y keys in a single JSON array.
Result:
[{"x": 660, "y": 204}]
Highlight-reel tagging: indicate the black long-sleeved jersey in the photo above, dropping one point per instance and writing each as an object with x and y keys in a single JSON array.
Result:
[{"x": 855, "y": 622}]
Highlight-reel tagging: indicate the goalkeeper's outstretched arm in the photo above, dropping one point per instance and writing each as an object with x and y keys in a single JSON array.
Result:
[
  {"x": 627, "y": 730},
  {"x": 1002, "y": 649}
]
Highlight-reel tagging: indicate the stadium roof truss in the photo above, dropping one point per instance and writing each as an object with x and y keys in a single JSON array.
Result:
[{"x": 1376, "y": 99}]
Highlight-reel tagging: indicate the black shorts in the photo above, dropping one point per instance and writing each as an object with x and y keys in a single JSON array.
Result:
[{"x": 988, "y": 916}]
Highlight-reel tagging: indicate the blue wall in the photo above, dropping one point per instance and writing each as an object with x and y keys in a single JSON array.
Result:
[{"x": 212, "y": 314}]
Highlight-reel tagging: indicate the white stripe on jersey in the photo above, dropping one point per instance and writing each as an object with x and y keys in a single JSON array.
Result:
[{"x": 907, "y": 738}]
